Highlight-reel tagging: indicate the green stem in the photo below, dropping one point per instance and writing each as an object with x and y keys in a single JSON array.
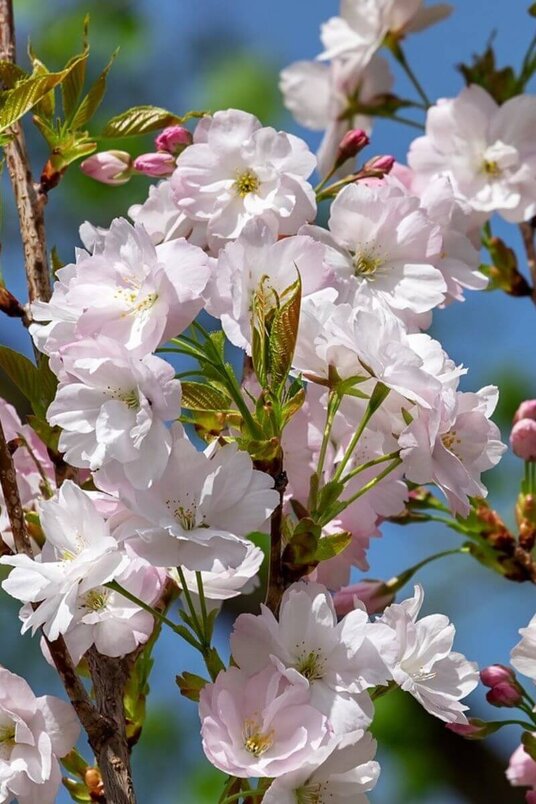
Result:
[
  {"x": 398, "y": 581},
  {"x": 179, "y": 629},
  {"x": 406, "y": 121},
  {"x": 364, "y": 466},
  {"x": 334, "y": 401},
  {"x": 249, "y": 793},
  {"x": 203, "y": 605},
  {"x": 363, "y": 490},
  {"x": 378, "y": 395},
  {"x": 400, "y": 56},
  {"x": 199, "y": 630}
]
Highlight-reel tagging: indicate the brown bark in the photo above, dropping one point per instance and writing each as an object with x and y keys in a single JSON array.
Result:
[{"x": 29, "y": 200}]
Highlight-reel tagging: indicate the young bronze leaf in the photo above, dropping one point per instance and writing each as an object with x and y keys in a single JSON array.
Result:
[{"x": 283, "y": 334}]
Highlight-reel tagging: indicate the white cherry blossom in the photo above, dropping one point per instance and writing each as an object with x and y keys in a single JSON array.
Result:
[
  {"x": 486, "y": 150},
  {"x": 237, "y": 171},
  {"x": 523, "y": 656}
]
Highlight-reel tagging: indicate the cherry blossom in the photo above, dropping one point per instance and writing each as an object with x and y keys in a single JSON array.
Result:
[
  {"x": 426, "y": 666},
  {"x": 127, "y": 289},
  {"x": 237, "y": 171},
  {"x": 486, "y": 150},
  {"x": 521, "y": 771},
  {"x": 453, "y": 444},
  {"x": 163, "y": 220},
  {"x": 260, "y": 725},
  {"x": 257, "y": 263},
  {"x": 322, "y": 97},
  {"x": 79, "y": 555},
  {"x": 34, "y": 734},
  {"x": 381, "y": 241},
  {"x": 112, "y": 409},
  {"x": 200, "y": 509},
  {"x": 347, "y": 773},
  {"x": 523, "y": 656},
  {"x": 363, "y": 25}
]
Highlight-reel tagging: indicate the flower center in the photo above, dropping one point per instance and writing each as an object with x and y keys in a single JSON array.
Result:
[
  {"x": 96, "y": 599},
  {"x": 450, "y": 441},
  {"x": 492, "y": 169},
  {"x": 130, "y": 398},
  {"x": 367, "y": 261},
  {"x": 312, "y": 666},
  {"x": 185, "y": 513},
  {"x": 312, "y": 794},
  {"x": 255, "y": 742},
  {"x": 7, "y": 740},
  {"x": 246, "y": 182}
]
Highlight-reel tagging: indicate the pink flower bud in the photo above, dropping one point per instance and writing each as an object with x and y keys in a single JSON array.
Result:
[
  {"x": 351, "y": 144},
  {"x": 380, "y": 164},
  {"x": 371, "y": 593},
  {"x": 108, "y": 167},
  {"x": 527, "y": 410},
  {"x": 475, "y": 729},
  {"x": 530, "y": 796},
  {"x": 173, "y": 139},
  {"x": 505, "y": 693},
  {"x": 496, "y": 674},
  {"x": 157, "y": 164},
  {"x": 523, "y": 439}
]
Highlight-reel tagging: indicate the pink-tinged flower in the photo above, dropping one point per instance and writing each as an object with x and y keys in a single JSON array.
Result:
[
  {"x": 452, "y": 444},
  {"x": 173, "y": 139},
  {"x": 521, "y": 771},
  {"x": 237, "y": 171},
  {"x": 34, "y": 734},
  {"x": 527, "y": 410},
  {"x": 337, "y": 661},
  {"x": 261, "y": 725},
  {"x": 163, "y": 220},
  {"x": 426, "y": 666},
  {"x": 382, "y": 242},
  {"x": 523, "y": 439},
  {"x": 372, "y": 594},
  {"x": 343, "y": 778},
  {"x": 496, "y": 674},
  {"x": 112, "y": 409},
  {"x": 111, "y": 622},
  {"x": 79, "y": 555},
  {"x": 523, "y": 656},
  {"x": 156, "y": 164},
  {"x": 320, "y": 96},
  {"x": 459, "y": 260},
  {"x": 128, "y": 289},
  {"x": 201, "y": 508},
  {"x": 487, "y": 151},
  {"x": 363, "y": 340},
  {"x": 222, "y": 581},
  {"x": 364, "y": 24},
  {"x": 108, "y": 167},
  {"x": 258, "y": 263}
]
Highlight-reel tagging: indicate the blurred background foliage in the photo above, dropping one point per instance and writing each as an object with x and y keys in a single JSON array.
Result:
[{"x": 205, "y": 54}]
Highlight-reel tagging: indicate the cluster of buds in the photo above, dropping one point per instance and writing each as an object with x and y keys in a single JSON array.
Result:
[
  {"x": 117, "y": 167},
  {"x": 523, "y": 443},
  {"x": 504, "y": 688},
  {"x": 523, "y": 435}
]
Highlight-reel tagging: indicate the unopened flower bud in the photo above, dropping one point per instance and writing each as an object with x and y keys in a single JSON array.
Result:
[
  {"x": 380, "y": 164},
  {"x": 371, "y": 593},
  {"x": 108, "y": 167},
  {"x": 173, "y": 139},
  {"x": 496, "y": 674},
  {"x": 505, "y": 693},
  {"x": 527, "y": 410},
  {"x": 351, "y": 144},
  {"x": 523, "y": 439},
  {"x": 530, "y": 797},
  {"x": 160, "y": 163},
  {"x": 475, "y": 729}
]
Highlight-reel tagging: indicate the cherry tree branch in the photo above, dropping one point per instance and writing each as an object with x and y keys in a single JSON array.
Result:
[
  {"x": 528, "y": 233},
  {"x": 30, "y": 201}
]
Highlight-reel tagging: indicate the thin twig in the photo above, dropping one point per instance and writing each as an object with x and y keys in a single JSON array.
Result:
[{"x": 528, "y": 232}]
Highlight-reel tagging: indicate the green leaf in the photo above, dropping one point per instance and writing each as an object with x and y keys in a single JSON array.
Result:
[
  {"x": 283, "y": 334},
  {"x": 200, "y": 396},
  {"x": 328, "y": 495},
  {"x": 213, "y": 662},
  {"x": 93, "y": 99},
  {"x": 48, "y": 382},
  {"x": 532, "y": 10},
  {"x": 528, "y": 742},
  {"x": 47, "y": 105},
  {"x": 139, "y": 120},
  {"x": 11, "y": 74},
  {"x": 14, "y": 103},
  {"x": 71, "y": 89},
  {"x": 190, "y": 685},
  {"x": 23, "y": 373},
  {"x": 331, "y": 545}
]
